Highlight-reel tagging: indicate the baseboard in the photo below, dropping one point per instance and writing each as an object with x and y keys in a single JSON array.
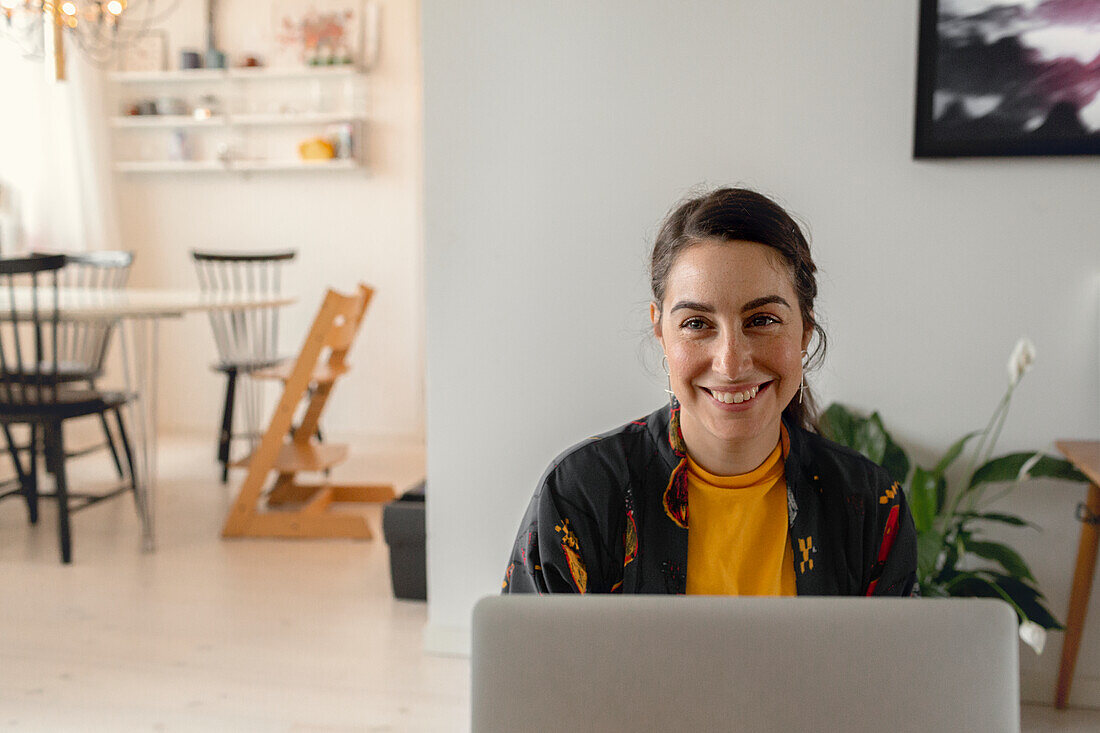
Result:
[
  {"x": 1038, "y": 689},
  {"x": 446, "y": 641}
]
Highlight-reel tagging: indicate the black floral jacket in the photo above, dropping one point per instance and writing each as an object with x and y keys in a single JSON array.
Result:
[{"x": 610, "y": 515}]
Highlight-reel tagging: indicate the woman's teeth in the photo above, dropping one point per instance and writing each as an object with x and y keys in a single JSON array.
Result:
[{"x": 735, "y": 398}]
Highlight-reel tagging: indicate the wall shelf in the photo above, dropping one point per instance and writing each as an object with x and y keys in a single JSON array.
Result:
[
  {"x": 241, "y": 166},
  {"x": 166, "y": 77},
  {"x": 251, "y": 125},
  {"x": 256, "y": 120},
  {"x": 295, "y": 118},
  {"x": 154, "y": 121},
  {"x": 256, "y": 72},
  {"x": 168, "y": 166}
]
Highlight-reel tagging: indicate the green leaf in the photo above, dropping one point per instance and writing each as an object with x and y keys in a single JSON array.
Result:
[
  {"x": 1007, "y": 468},
  {"x": 853, "y": 430},
  {"x": 941, "y": 494},
  {"x": 1012, "y": 519},
  {"x": 922, "y": 495},
  {"x": 894, "y": 459},
  {"x": 838, "y": 424},
  {"x": 1008, "y": 558},
  {"x": 953, "y": 452},
  {"x": 866, "y": 435},
  {"x": 950, "y": 555},
  {"x": 968, "y": 584},
  {"x": 1029, "y": 599},
  {"x": 951, "y": 545},
  {"x": 974, "y": 585},
  {"x": 929, "y": 546},
  {"x": 986, "y": 584},
  {"x": 871, "y": 438}
]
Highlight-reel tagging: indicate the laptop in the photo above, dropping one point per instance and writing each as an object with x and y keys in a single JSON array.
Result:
[{"x": 695, "y": 663}]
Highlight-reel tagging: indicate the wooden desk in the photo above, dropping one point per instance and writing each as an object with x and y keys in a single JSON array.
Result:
[
  {"x": 140, "y": 311},
  {"x": 1085, "y": 456}
]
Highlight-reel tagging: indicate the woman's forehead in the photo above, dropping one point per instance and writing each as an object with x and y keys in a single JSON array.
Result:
[{"x": 737, "y": 270}]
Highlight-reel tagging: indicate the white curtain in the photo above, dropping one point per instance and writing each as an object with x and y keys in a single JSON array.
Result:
[{"x": 56, "y": 189}]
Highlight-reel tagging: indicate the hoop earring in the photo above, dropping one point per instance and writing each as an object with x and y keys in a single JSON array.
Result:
[{"x": 802, "y": 384}]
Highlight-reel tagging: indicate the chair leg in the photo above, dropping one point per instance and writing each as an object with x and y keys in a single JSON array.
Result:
[
  {"x": 110, "y": 439},
  {"x": 30, "y": 490},
  {"x": 13, "y": 451},
  {"x": 32, "y": 473},
  {"x": 225, "y": 441},
  {"x": 139, "y": 499},
  {"x": 321, "y": 439},
  {"x": 55, "y": 457}
]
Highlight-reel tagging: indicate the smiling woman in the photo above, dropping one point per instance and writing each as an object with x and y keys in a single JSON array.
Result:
[
  {"x": 775, "y": 508},
  {"x": 733, "y": 343}
]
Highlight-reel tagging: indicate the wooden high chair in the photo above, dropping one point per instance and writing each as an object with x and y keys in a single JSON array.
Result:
[{"x": 294, "y": 509}]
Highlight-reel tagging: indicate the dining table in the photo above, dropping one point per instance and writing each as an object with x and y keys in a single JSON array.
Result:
[{"x": 140, "y": 312}]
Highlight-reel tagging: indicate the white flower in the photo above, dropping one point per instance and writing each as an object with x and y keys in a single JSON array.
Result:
[
  {"x": 1023, "y": 356},
  {"x": 1034, "y": 635}
]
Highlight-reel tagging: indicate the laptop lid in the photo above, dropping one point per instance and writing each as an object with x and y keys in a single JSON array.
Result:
[{"x": 608, "y": 663}]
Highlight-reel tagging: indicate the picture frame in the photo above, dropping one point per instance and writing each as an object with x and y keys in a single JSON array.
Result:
[
  {"x": 147, "y": 52},
  {"x": 325, "y": 32},
  {"x": 1007, "y": 78},
  {"x": 317, "y": 32}
]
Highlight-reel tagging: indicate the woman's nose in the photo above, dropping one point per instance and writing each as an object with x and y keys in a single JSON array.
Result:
[{"x": 732, "y": 355}]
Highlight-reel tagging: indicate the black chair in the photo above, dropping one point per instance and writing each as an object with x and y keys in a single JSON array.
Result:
[
  {"x": 83, "y": 345},
  {"x": 247, "y": 340},
  {"x": 34, "y": 392}
]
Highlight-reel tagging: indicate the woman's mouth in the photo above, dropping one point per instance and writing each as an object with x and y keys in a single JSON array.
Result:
[{"x": 736, "y": 397}]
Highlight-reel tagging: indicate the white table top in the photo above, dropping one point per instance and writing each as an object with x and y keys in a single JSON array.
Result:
[{"x": 81, "y": 304}]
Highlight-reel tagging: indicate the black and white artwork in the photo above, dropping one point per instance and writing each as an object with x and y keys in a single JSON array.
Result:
[{"x": 1008, "y": 77}]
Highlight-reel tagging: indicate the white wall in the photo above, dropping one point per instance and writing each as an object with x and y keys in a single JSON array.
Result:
[
  {"x": 346, "y": 226},
  {"x": 557, "y": 135}
]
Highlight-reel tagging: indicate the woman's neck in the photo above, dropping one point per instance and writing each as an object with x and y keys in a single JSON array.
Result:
[{"x": 727, "y": 458}]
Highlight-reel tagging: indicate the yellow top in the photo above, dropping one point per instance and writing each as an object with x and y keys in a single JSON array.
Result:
[{"x": 738, "y": 541}]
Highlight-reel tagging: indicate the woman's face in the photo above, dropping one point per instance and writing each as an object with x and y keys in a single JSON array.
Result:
[{"x": 732, "y": 330}]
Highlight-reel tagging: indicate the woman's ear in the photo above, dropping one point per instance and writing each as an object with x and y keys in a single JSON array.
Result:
[
  {"x": 807, "y": 334},
  {"x": 655, "y": 318}
]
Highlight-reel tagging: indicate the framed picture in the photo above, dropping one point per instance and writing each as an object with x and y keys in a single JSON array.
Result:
[
  {"x": 325, "y": 32},
  {"x": 1008, "y": 77},
  {"x": 147, "y": 52}
]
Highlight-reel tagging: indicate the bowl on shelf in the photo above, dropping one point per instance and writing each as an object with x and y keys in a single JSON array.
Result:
[{"x": 316, "y": 148}]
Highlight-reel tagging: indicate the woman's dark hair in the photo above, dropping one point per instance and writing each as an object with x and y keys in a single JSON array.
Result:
[{"x": 738, "y": 214}]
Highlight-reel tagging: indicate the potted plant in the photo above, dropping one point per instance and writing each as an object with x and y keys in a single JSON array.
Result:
[{"x": 953, "y": 556}]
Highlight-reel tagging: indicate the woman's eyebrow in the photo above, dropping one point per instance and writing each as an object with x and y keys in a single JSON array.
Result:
[
  {"x": 766, "y": 300},
  {"x": 692, "y": 305},
  {"x": 751, "y": 305}
]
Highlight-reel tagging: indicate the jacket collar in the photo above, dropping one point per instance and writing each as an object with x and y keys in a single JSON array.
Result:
[
  {"x": 664, "y": 426},
  {"x": 664, "y": 429}
]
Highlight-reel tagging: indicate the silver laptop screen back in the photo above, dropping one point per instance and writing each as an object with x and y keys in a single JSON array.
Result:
[{"x": 743, "y": 664}]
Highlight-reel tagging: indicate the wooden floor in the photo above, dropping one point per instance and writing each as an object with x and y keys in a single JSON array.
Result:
[
  {"x": 213, "y": 635},
  {"x": 207, "y": 634}
]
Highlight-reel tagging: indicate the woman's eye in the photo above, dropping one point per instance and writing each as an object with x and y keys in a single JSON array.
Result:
[
  {"x": 762, "y": 319},
  {"x": 694, "y": 324}
]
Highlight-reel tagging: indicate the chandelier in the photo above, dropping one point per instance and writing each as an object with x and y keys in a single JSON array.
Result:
[{"x": 98, "y": 28}]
